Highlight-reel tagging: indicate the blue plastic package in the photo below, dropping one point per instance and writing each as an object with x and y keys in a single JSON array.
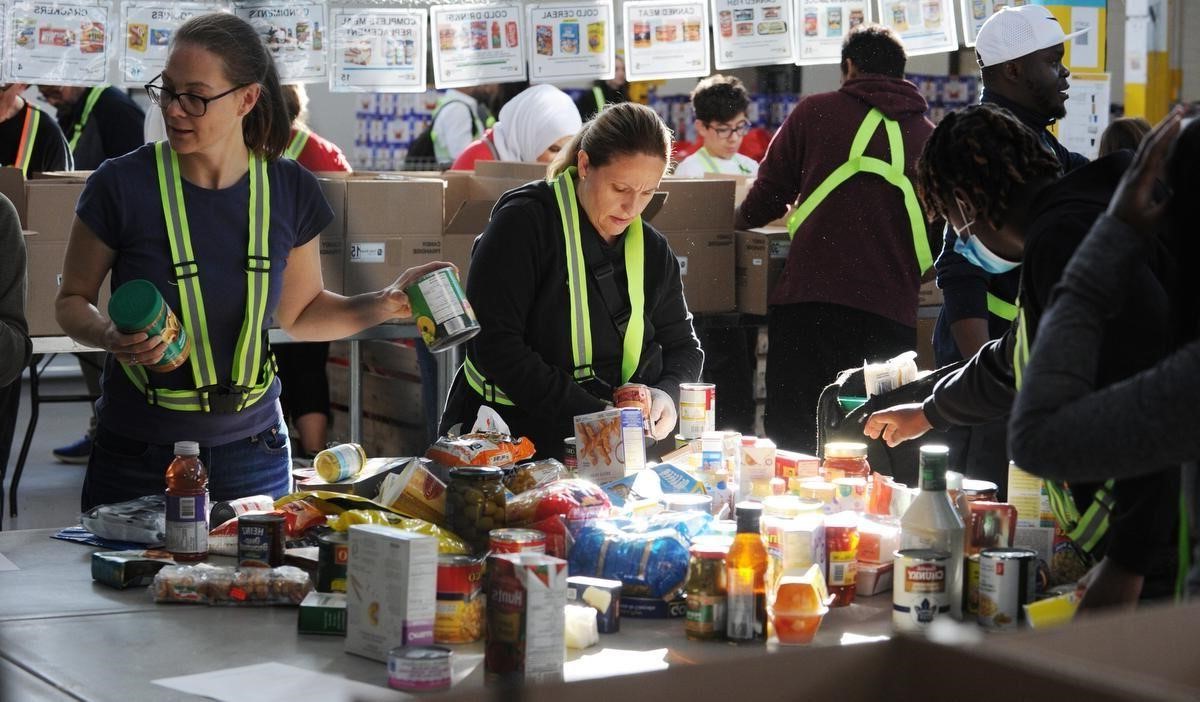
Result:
[{"x": 650, "y": 564}]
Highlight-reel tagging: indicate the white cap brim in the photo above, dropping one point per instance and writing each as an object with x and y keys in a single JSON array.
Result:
[{"x": 1080, "y": 33}]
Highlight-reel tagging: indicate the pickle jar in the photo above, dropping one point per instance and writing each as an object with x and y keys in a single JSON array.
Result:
[
  {"x": 475, "y": 504},
  {"x": 706, "y": 597},
  {"x": 845, "y": 460}
]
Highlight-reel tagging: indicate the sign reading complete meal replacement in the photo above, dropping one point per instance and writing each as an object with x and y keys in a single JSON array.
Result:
[
  {"x": 570, "y": 40},
  {"x": 925, "y": 26},
  {"x": 147, "y": 28},
  {"x": 294, "y": 33},
  {"x": 377, "y": 49},
  {"x": 474, "y": 44},
  {"x": 63, "y": 42},
  {"x": 666, "y": 40},
  {"x": 752, "y": 33},
  {"x": 822, "y": 25}
]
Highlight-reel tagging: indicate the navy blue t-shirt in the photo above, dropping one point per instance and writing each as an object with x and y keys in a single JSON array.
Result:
[{"x": 121, "y": 204}]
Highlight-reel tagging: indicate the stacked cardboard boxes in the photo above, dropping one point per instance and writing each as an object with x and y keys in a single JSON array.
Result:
[{"x": 697, "y": 219}]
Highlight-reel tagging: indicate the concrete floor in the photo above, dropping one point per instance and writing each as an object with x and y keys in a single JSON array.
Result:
[{"x": 49, "y": 490}]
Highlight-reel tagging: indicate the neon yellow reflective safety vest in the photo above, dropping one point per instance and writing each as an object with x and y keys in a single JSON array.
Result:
[
  {"x": 1001, "y": 308},
  {"x": 598, "y": 94},
  {"x": 296, "y": 145},
  {"x": 1085, "y": 529},
  {"x": 29, "y": 130},
  {"x": 577, "y": 285},
  {"x": 88, "y": 104},
  {"x": 710, "y": 164},
  {"x": 253, "y": 365},
  {"x": 892, "y": 172},
  {"x": 477, "y": 127}
]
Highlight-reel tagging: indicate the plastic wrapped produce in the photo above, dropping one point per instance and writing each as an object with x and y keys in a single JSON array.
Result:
[
  {"x": 573, "y": 499},
  {"x": 648, "y": 564}
]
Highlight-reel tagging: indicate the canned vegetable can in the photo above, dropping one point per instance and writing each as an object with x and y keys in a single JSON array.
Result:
[{"x": 443, "y": 315}]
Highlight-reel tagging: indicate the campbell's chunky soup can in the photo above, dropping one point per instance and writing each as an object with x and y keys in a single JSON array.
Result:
[
  {"x": 137, "y": 306},
  {"x": 920, "y": 592},
  {"x": 443, "y": 316}
]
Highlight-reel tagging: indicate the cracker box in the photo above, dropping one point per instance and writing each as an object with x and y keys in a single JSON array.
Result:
[
  {"x": 610, "y": 444},
  {"x": 526, "y": 623},
  {"x": 391, "y": 590}
]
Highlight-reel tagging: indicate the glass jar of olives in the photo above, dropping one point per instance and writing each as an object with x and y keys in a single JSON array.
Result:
[{"x": 475, "y": 504}]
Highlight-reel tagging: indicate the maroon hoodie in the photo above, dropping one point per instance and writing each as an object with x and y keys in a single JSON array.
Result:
[{"x": 856, "y": 249}]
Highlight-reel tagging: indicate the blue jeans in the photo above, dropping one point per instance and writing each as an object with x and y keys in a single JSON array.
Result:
[{"x": 121, "y": 468}]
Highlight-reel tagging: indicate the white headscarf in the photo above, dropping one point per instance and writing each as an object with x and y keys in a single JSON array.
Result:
[{"x": 532, "y": 121}]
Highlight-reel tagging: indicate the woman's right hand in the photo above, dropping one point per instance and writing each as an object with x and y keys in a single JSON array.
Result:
[
  {"x": 1134, "y": 201},
  {"x": 133, "y": 349}
]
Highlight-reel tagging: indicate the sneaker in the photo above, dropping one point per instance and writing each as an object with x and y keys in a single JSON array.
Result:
[{"x": 76, "y": 453}]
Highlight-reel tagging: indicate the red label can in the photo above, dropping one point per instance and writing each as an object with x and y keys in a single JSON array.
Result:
[
  {"x": 516, "y": 541},
  {"x": 459, "y": 615},
  {"x": 634, "y": 395}
]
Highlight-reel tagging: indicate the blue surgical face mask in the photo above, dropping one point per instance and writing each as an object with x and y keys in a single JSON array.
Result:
[{"x": 974, "y": 250}]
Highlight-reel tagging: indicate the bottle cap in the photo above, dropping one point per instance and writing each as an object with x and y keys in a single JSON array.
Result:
[
  {"x": 845, "y": 450},
  {"x": 187, "y": 448},
  {"x": 135, "y": 305}
]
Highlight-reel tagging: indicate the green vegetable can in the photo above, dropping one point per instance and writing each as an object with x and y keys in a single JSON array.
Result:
[
  {"x": 137, "y": 306},
  {"x": 443, "y": 315}
]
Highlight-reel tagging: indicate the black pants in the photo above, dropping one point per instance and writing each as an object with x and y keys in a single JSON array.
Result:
[
  {"x": 810, "y": 343},
  {"x": 303, "y": 381}
]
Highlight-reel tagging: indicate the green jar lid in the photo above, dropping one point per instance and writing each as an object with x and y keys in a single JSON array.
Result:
[{"x": 135, "y": 305}]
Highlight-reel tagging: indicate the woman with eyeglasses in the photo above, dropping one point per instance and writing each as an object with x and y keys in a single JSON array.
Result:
[
  {"x": 720, "y": 104},
  {"x": 226, "y": 231}
]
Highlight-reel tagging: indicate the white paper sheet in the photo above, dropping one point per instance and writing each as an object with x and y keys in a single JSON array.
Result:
[{"x": 287, "y": 684}]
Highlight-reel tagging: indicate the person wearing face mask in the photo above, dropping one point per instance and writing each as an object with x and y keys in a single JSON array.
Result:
[
  {"x": 575, "y": 294},
  {"x": 226, "y": 231},
  {"x": 1020, "y": 52},
  {"x": 1000, "y": 191},
  {"x": 533, "y": 127}
]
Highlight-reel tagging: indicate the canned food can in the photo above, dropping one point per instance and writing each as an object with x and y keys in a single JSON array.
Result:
[
  {"x": 971, "y": 586},
  {"x": 697, "y": 409},
  {"x": 222, "y": 512},
  {"x": 444, "y": 316},
  {"x": 138, "y": 306},
  {"x": 920, "y": 592},
  {"x": 260, "y": 540},
  {"x": 571, "y": 455},
  {"x": 459, "y": 616},
  {"x": 339, "y": 462},
  {"x": 419, "y": 668},
  {"x": 516, "y": 541},
  {"x": 686, "y": 502},
  {"x": 333, "y": 554},
  {"x": 634, "y": 395},
  {"x": 1007, "y": 580}
]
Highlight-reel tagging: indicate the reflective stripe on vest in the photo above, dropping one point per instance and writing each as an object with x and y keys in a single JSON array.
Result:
[
  {"x": 297, "y": 144},
  {"x": 253, "y": 368},
  {"x": 477, "y": 127},
  {"x": 577, "y": 272},
  {"x": 1001, "y": 308},
  {"x": 1087, "y": 529},
  {"x": 598, "y": 94},
  {"x": 93, "y": 96},
  {"x": 711, "y": 166},
  {"x": 892, "y": 172},
  {"x": 29, "y": 129}
]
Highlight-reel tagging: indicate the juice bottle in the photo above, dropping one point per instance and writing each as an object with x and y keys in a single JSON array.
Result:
[
  {"x": 187, "y": 504},
  {"x": 745, "y": 578}
]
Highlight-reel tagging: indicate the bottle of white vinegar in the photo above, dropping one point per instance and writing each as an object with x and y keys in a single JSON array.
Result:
[{"x": 932, "y": 521}]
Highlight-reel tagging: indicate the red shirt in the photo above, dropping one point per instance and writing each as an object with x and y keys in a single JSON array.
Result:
[
  {"x": 481, "y": 149},
  {"x": 320, "y": 154}
]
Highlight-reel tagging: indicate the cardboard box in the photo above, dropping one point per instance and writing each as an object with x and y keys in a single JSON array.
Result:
[
  {"x": 697, "y": 219},
  {"x": 50, "y": 207},
  {"x": 323, "y": 613},
  {"x": 380, "y": 437},
  {"x": 389, "y": 357},
  {"x": 526, "y": 623},
  {"x": 930, "y": 295},
  {"x": 333, "y": 262},
  {"x": 760, "y": 259},
  {"x": 44, "y": 277},
  {"x": 396, "y": 399},
  {"x": 391, "y": 590},
  {"x": 382, "y": 207},
  {"x": 465, "y": 226},
  {"x": 527, "y": 171},
  {"x": 375, "y": 263}
]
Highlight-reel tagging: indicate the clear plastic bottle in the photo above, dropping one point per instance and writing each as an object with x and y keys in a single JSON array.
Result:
[
  {"x": 187, "y": 504},
  {"x": 932, "y": 522},
  {"x": 745, "y": 578}
]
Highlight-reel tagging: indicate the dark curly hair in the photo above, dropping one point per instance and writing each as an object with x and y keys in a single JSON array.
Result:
[
  {"x": 874, "y": 48},
  {"x": 719, "y": 98},
  {"x": 988, "y": 153}
]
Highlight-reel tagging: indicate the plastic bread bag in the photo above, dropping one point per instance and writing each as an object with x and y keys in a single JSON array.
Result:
[
  {"x": 226, "y": 585},
  {"x": 480, "y": 449},
  {"x": 448, "y": 542},
  {"x": 573, "y": 499},
  {"x": 140, "y": 521},
  {"x": 649, "y": 564},
  {"x": 535, "y": 474}
]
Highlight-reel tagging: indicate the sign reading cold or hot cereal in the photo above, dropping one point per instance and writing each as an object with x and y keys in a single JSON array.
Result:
[
  {"x": 377, "y": 49},
  {"x": 822, "y": 25},
  {"x": 148, "y": 26},
  {"x": 62, "y": 42},
  {"x": 752, "y": 32},
  {"x": 666, "y": 40},
  {"x": 475, "y": 44},
  {"x": 570, "y": 40},
  {"x": 294, "y": 33},
  {"x": 925, "y": 26}
]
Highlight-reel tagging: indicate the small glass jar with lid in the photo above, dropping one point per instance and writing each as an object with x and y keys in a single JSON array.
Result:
[
  {"x": 845, "y": 460},
  {"x": 475, "y": 504},
  {"x": 706, "y": 596}
]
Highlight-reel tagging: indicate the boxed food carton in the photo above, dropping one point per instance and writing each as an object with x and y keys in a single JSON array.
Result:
[
  {"x": 526, "y": 623},
  {"x": 391, "y": 590},
  {"x": 610, "y": 444}
]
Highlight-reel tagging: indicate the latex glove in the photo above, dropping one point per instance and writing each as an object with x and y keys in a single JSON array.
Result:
[
  {"x": 898, "y": 424},
  {"x": 662, "y": 414}
]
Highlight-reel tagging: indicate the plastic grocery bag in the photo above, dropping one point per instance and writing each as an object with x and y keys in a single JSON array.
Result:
[{"x": 141, "y": 521}]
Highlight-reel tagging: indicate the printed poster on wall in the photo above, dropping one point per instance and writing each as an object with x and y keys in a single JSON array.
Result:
[
  {"x": 570, "y": 40},
  {"x": 476, "y": 44},
  {"x": 147, "y": 30},
  {"x": 377, "y": 50},
  {"x": 752, "y": 33},
  {"x": 1087, "y": 113},
  {"x": 666, "y": 40},
  {"x": 823, "y": 25},
  {"x": 925, "y": 26},
  {"x": 294, "y": 33},
  {"x": 63, "y": 42},
  {"x": 976, "y": 12}
]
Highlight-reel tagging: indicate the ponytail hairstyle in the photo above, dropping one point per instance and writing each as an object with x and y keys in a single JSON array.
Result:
[
  {"x": 266, "y": 128},
  {"x": 622, "y": 129}
]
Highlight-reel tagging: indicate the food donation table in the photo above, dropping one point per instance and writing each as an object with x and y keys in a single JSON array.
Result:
[{"x": 65, "y": 637}]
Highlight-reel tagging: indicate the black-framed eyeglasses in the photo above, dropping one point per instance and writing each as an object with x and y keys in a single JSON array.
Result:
[
  {"x": 741, "y": 129},
  {"x": 194, "y": 105}
]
